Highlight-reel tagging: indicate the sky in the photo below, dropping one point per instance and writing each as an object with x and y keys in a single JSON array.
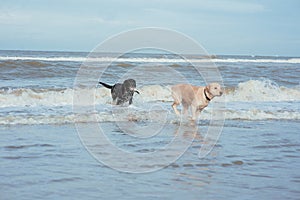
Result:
[{"x": 222, "y": 27}]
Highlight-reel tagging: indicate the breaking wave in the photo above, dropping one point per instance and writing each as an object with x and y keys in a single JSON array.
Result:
[
  {"x": 250, "y": 100},
  {"x": 250, "y": 91},
  {"x": 262, "y": 91}
]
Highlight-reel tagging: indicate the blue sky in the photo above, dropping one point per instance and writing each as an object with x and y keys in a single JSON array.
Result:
[{"x": 256, "y": 27}]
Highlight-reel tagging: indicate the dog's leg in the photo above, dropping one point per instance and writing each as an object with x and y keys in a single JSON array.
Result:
[
  {"x": 114, "y": 101},
  {"x": 185, "y": 109},
  {"x": 119, "y": 101},
  {"x": 174, "y": 106},
  {"x": 130, "y": 100},
  {"x": 195, "y": 113},
  {"x": 196, "y": 110}
]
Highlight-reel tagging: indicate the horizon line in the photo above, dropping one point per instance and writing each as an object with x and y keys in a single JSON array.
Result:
[{"x": 212, "y": 54}]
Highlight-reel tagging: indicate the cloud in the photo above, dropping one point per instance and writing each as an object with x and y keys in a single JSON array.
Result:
[
  {"x": 114, "y": 22},
  {"x": 13, "y": 17},
  {"x": 233, "y": 6}
]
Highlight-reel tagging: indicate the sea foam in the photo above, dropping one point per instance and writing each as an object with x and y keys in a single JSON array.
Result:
[
  {"x": 153, "y": 60},
  {"x": 249, "y": 91},
  {"x": 250, "y": 100}
]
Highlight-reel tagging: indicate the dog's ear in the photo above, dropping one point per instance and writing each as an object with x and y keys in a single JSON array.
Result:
[{"x": 207, "y": 88}]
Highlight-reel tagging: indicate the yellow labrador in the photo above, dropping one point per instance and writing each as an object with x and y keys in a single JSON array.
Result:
[{"x": 196, "y": 97}]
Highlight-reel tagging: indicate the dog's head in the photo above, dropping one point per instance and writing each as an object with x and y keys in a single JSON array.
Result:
[
  {"x": 130, "y": 85},
  {"x": 214, "y": 89}
]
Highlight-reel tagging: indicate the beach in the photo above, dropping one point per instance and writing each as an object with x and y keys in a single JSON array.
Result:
[{"x": 43, "y": 154}]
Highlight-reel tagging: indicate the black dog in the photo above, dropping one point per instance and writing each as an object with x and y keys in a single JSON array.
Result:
[{"x": 122, "y": 93}]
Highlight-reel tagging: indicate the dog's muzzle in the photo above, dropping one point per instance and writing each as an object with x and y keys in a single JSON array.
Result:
[{"x": 134, "y": 90}]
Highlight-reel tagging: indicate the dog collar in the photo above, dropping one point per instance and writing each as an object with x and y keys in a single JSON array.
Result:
[{"x": 208, "y": 99}]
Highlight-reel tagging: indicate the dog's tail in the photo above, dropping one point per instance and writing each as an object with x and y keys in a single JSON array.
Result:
[{"x": 106, "y": 85}]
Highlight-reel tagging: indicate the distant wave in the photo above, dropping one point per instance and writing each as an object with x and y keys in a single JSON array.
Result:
[
  {"x": 153, "y": 60},
  {"x": 239, "y": 60},
  {"x": 71, "y": 59}
]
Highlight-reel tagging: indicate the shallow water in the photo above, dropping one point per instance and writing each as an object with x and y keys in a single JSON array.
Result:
[
  {"x": 42, "y": 155},
  {"x": 251, "y": 160}
]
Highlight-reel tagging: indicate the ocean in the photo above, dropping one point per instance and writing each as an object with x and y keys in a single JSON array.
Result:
[{"x": 50, "y": 147}]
